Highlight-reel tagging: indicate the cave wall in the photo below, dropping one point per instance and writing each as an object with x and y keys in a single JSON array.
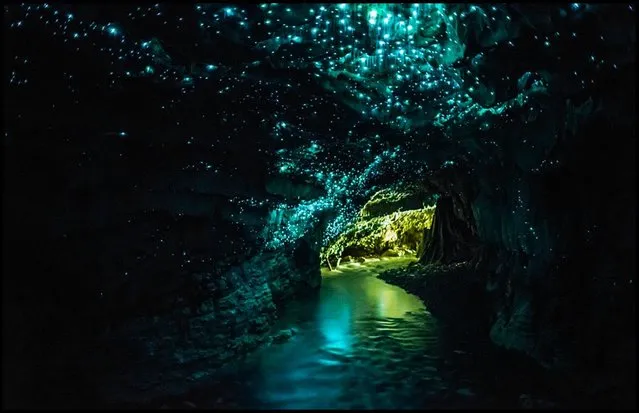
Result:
[
  {"x": 153, "y": 278},
  {"x": 452, "y": 236},
  {"x": 549, "y": 202},
  {"x": 163, "y": 354},
  {"x": 553, "y": 243},
  {"x": 564, "y": 272}
]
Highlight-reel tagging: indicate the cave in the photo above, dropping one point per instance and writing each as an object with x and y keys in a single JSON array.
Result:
[
  {"x": 299, "y": 206},
  {"x": 394, "y": 222}
]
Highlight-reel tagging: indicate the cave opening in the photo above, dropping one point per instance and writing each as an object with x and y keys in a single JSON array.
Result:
[
  {"x": 431, "y": 222},
  {"x": 393, "y": 222}
]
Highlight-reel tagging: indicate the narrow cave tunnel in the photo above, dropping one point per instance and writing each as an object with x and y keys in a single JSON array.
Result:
[{"x": 294, "y": 206}]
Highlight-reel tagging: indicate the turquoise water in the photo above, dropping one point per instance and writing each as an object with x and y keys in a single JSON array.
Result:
[{"x": 362, "y": 343}]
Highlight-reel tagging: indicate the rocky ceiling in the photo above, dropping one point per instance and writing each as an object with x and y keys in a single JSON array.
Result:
[{"x": 342, "y": 97}]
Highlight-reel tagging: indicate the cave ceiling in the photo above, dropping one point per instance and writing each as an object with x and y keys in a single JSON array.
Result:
[{"x": 345, "y": 97}]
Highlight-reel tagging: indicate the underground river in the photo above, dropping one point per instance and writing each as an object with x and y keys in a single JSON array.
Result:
[{"x": 362, "y": 343}]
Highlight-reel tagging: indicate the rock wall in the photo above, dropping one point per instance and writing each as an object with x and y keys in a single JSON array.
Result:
[
  {"x": 162, "y": 355},
  {"x": 154, "y": 277},
  {"x": 562, "y": 255},
  {"x": 552, "y": 245},
  {"x": 547, "y": 267},
  {"x": 549, "y": 203}
]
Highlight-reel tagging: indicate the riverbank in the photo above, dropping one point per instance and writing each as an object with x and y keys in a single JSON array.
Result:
[{"x": 457, "y": 296}]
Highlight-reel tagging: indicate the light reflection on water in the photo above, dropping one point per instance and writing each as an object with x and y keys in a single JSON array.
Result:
[
  {"x": 353, "y": 344},
  {"x": 360, "y": 343}
]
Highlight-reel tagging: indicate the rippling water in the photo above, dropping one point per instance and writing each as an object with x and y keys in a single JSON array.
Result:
[{"x": 362, "y": 343}]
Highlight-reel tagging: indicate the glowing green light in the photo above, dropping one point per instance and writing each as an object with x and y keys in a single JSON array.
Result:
[{"x": 372, "y": 14}]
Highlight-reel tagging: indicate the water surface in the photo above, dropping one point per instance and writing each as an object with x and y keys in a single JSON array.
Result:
[{"x": 362, "y": 343}]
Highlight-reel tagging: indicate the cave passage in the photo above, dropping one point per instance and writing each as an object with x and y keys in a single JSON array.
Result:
[
  {"x": 251, "y": 192},
  {"x": 363, "y": 343},
  {"x": 394, "y": 222}
]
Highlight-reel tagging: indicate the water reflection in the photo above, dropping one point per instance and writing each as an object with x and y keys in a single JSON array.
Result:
[
  {"x": 354, "y": 351},
  {"x": 354, "y": 306},
  {"x": 360, "y": 343},
  {"x": 335, "y": 321}
]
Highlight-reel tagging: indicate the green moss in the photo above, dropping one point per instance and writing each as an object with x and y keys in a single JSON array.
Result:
[{"x": 396, "y": 233}]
